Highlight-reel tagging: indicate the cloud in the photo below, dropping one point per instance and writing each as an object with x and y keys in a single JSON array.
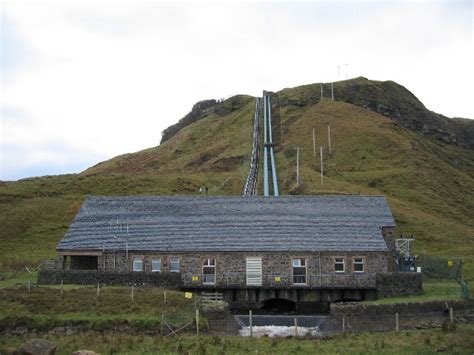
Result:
[
  {"x": 27, "y": 160},
  {"x": 105, "y": 78}
]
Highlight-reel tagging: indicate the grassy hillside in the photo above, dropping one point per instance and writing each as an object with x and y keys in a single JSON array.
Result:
[{"x": 429, "y": 184}]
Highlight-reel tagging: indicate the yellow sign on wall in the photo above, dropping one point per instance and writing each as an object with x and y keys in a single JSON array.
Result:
[
  {"x": 277, "y": 279},
  {"x": 195, "y": 278}
]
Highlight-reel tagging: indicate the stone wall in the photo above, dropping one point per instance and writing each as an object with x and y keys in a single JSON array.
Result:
[
  {"x": 382, "y": 317},
  {"x": 276, "y": 268},
  {"x": 389, "y": 237},
  {"x": 398, "y": 284},
  {"x": 83, "y": 277}
]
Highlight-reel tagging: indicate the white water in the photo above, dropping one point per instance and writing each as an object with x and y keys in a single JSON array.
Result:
[{"x": 278, "y": 331}]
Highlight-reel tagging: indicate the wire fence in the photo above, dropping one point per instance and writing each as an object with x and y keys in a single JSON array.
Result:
[
  {"x": 397, "y": 321},
  {"x": 145, "y": 298},
  {"x": 446, "y": 268},
  {"x": 328, "y": 325}
]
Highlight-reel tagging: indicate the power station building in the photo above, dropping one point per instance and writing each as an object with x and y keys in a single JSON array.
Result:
[{"x": 301, "y": 248}]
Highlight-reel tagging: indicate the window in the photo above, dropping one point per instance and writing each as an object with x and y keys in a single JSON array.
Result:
[
  {"x": 339, "y": 265},
  {"x": 137, "y": 264},
  {"x": 358, "y": 264},
  {"x": 254, "y": 271},
  {"x": 155, "y": 265},
  {"x": 174, "y": 264},
  {"x": 299, "y": 271},
  {"x": 209, "y": 271}
]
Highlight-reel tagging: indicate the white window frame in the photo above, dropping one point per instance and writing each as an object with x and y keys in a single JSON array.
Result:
[
  {"x": 336, "y": 262},
  {"x": 296, "y": 262},
  {"x": 206, "y": 263},
  {"x": 179, "y": 264},
  {"x": 153, "y": 261},
  {"x": 253, "y": 271},
  {"x": 137, "y": 259},
  {"x": 362, "y": 262}
]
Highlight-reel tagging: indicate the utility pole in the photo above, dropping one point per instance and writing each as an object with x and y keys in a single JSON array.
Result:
[
  {"x": 314, "y": 142},
  {"x": 338, "y": 72},
  {"x": 321, "y": 91},
  {"x": 297, "y": 166},
  {"x": 329, "y": 139},
  {"x": 322, "y": 167},
  {"x": 332, "y": 91}
]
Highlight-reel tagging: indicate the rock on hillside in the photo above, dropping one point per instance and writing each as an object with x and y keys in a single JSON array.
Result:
[
  {"x": 203, "y": 109},
  {"x": 395, "y": 101},
  {"x": 384, "y": 97},
  {"x": 391, "y": 100}
]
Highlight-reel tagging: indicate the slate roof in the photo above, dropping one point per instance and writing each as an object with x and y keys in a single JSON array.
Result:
[{"x": 195, "y": 223}]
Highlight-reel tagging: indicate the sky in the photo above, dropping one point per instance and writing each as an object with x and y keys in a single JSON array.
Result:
[{"x": 84, "y": 81}]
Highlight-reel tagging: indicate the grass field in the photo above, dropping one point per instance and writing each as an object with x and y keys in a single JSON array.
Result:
[
  {"x": 432, "y": 291},
  {"x": 405, "y": 342},
  {"x": 43, "y": 308}
]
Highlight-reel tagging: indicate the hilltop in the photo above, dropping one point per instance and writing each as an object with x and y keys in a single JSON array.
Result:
[
  {"x": 384, "y": 142},
  {"x": 385, "y": 97}
]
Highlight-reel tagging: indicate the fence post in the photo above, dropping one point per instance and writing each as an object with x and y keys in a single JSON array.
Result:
[
  {"x": 296, "y": 327},
  {"x": 132, "y": 293},
  {"x": 250, "y": 323},
  {"x": 98, "y": 289},
  {"x": 197, "y": 321},
  {"x": 164, "y": 296},
  {"x": 343, "y": 324},
  {"x": 62, "y": 286},
  {"x": 29, "y": 286},
  {"x": 451, "y": 314},
  {"x": 162, "y": 322},
  {"x": 397, "y": 322}
]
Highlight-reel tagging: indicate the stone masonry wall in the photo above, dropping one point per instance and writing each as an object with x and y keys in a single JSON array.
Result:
[
  {"x": 83, "y": 277},
  {"x": 382, "y": 317},
  {"x": 389, "y": 237},
  {"x": 276, "y": 268},
  {"x": 398, "y": 284}
]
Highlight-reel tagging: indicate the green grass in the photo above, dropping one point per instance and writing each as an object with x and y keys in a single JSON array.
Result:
[
  {"x": 432, "y": 291},
  {"x": 403, "y": 342},
  {"x": 45, "y": 307},
  {"x": 12, "y": 278}
]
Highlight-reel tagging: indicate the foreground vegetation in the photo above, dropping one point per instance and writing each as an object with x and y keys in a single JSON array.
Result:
[
  {"x": 43, "y": 308},
  {"x": 406, "y": 342},
  {"x": 432, "y": 291}
]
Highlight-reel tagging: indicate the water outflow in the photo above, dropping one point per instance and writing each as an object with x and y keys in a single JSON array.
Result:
[
  {"x": 280, "y": 325},
  {"x": 268, "y": 148}
]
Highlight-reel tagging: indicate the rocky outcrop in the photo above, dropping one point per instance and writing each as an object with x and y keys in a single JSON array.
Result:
[
  {"x": 198, "y": 112},
  {"x": 401, "y": 106},
  {"x": 203, "y": 109}
]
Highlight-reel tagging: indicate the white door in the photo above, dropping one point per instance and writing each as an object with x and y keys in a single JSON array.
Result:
[{"x": 254, "y": 271}]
